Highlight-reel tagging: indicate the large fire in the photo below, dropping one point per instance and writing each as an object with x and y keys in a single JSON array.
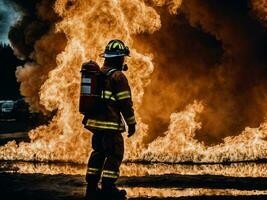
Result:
[{"x": 85, "y": 27}]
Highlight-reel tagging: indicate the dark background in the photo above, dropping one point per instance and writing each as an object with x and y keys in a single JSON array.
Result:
[{"x": 9, "y": 86}]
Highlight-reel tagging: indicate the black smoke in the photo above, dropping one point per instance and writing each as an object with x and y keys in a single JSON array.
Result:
[
  {"x": 38, "y": 17},
  {"x": 9, "y": 86},
  {"x": 35, "y": 39},
  {"x": 213, "y": 51}
]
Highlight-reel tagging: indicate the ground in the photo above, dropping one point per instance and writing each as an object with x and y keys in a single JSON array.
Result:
[
  {"x": 57, "y": 187},
  {"x": 58, "y": 181}
]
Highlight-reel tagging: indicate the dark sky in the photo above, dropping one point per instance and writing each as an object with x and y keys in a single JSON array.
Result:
[{"x": 7, "y": 17}]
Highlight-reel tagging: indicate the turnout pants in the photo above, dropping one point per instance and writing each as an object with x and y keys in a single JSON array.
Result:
[{"x": 106, "y": 158}]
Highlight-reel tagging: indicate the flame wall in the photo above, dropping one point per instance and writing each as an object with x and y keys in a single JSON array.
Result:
[
  {"x": 214, "y": 52},
  {"x": 204, "y": 52}
]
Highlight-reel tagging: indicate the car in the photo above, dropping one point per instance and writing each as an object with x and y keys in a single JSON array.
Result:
[
  {"x": 7, "y": 109},
  {"x": 21, "y": 110},
  {"x": 1, "y": 103}
]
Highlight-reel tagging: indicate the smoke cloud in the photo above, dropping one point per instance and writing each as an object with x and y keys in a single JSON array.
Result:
[
  {"x": 212, "y": 53},
  {"x": 34, "y": 38},
  {"x": 8, "y": 16},
  {"x": 259, "y": 8}
]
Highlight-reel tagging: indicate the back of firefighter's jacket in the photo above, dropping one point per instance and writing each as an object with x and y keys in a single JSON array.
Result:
[{"x": 116, "y": 100}]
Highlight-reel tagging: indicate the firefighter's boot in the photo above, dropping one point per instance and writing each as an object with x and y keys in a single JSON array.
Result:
[
  {"x": 92, "y": 190},
  {"x": 110, "y": 190}
]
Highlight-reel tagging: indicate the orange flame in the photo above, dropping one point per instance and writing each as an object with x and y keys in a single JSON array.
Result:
[{"x": 88, "y": 26}]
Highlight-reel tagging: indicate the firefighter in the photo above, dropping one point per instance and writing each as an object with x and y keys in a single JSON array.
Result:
[{"x": 107, "y": 125}]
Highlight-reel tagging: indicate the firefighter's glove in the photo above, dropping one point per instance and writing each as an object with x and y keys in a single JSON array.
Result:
[{"x": 131, "y": 130}]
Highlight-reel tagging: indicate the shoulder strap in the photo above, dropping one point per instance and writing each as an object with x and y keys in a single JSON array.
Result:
[
  {"x": 111, "y": 71},
  {"x": 108, "y": 75}
]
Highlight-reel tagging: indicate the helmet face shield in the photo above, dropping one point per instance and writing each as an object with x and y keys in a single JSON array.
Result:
[{"x": 115, "y": 48}]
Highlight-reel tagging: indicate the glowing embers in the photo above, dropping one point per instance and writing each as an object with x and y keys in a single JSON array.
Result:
[{"x": 180, "y": 192}]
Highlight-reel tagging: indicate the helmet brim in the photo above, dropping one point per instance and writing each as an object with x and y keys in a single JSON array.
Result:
[{"x": 105, "y": 55}]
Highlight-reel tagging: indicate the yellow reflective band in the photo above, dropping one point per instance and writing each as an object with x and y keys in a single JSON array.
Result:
[
  {"x": 93, "y": 171},
  {"x": 102, "y": 122},
  {"x": 107, "y": 95},
  {"x": 109, "y": 46},
  {"x": 107, "y": 127},
  {"x": 116, "y": 44},
  {"x": 107, "y": 92},
  {"x": 123, "y": 95},
  {"x": 121, "y": 47},
  {"x": 104, "y": 125},
  {"x": 110, "y": 174},
  {"x": 131, "y": 120},
  {"x": 113, "y": 98}
]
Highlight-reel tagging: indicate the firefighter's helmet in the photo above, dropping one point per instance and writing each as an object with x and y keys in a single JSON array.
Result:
[{"x": 115, "y": 48}]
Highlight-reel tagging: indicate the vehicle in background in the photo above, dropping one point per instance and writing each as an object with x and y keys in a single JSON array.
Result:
[
  {"x": 21, "y": 110},
  {"x": 16, "y": 110},
  {"x": 1, "y": 103},
  {"x": 7, "y": 109}
]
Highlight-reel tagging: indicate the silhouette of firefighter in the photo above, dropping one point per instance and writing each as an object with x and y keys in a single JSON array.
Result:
[{"x": 105, "y": 100}]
